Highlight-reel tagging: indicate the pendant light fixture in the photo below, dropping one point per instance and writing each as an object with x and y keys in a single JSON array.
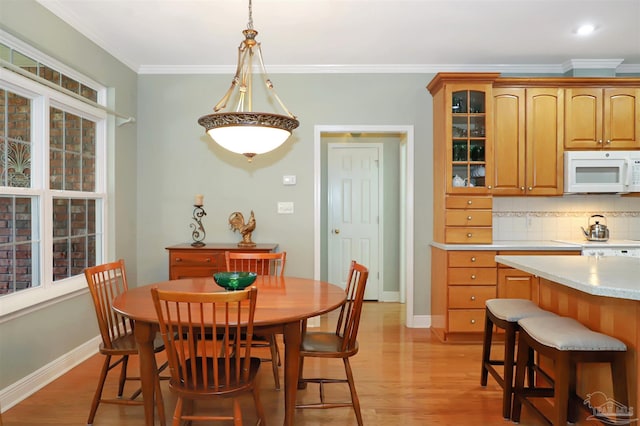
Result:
[{"x": 244, "y": 131}]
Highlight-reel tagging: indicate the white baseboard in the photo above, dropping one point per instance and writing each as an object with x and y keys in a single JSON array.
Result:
[
  {"x": 421, "y": 321},
  {"x": 25, "y": 387}
]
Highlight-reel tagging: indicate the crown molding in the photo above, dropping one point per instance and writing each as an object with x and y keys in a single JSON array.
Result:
[{"x": 361, "y": 69}]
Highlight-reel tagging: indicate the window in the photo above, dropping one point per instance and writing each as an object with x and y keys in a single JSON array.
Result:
[{"x": 52, "y": 165}]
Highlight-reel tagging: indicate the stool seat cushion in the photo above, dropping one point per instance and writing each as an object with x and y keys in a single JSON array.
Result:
[
  {"x": 567, "y": 334},
  {"x": 512, "y": 310}
]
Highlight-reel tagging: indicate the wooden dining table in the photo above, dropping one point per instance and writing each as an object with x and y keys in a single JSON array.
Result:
[{"x": 283, "y": 304}]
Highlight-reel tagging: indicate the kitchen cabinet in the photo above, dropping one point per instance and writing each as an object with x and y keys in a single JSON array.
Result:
[
  {"x": 602, "y": 118},
  {"x": 514, "y": 283},
  {"x": 528, "y": 149},
  {"x": 461, "y": 283},
  {"x": 463, "y": 280},
  {"x": 468, "y": 220},
  {"x": 462, "y": 135},
  {"x": 187, "y": 261}
]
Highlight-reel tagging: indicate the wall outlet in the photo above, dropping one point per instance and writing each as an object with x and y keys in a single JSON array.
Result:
[{"x": 285, "y": 207}]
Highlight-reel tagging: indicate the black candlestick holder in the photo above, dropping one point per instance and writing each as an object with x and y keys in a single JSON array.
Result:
[{"x": 198, "y": 233}]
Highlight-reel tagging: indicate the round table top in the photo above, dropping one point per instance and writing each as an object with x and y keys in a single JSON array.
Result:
[{"x": 280, "y": 299}]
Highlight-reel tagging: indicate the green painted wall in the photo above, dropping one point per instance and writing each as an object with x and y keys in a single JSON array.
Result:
[{"x": 29, "y": 342}]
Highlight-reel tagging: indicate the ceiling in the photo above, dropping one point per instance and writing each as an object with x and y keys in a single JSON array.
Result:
[{"x": 195, "y": 36}]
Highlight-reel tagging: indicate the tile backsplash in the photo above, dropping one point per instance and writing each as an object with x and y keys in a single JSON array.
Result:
[{"x": 560, "y": 218}]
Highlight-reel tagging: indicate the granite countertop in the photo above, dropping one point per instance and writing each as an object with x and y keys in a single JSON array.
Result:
[
  {"x": 611, "y": 276},
  {"x": 513, "y": 245}
]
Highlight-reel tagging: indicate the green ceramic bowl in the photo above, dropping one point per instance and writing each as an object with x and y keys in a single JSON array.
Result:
[{"x": 234, "y": 280}]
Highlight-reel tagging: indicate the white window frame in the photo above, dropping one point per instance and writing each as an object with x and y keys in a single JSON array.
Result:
[{"x": 43, "y": 97}]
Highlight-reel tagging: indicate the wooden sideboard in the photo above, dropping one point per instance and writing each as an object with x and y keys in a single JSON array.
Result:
[{"x": 186, "y": 261}]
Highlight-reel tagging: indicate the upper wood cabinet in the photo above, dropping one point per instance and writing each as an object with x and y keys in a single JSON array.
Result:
[
  {"x": 527, "y": 141},
  {"x": 462, "y": 155},
  {"x": 462, "y": 131},
  {"x": 602, "y": 118}
]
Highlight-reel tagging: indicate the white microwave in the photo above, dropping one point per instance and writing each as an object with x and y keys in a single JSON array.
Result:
[{"x": 601, "y": 171}]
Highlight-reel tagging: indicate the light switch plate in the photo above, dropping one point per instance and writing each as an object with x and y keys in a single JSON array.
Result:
[
  {"x": 285, "y": 207},
  {"x": 289, "y": 180}
]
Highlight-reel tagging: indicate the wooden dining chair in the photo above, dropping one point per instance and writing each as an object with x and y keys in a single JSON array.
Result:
[
  {"x": 213, "y": 370},
  {"x": 105, "y": 282},
  {"x": 272, "y": 264},
  {"x": 341, "y": 344}
]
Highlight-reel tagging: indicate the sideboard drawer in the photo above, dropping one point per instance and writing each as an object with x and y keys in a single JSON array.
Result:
[
  {"x": 187, "y": 261},
  {"x": 195, "y": 258}
]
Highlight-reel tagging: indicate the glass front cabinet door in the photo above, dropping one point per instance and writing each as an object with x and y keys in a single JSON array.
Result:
[{"x": 467, "y": 138}]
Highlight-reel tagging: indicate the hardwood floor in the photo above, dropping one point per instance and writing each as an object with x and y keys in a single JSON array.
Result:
[{"x": 403, "y": 376}]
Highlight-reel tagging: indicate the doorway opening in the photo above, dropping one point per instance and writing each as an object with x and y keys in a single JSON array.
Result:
[{"x": 402, "y": 138}]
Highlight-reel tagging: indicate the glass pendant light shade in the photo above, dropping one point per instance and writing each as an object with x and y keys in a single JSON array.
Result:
[
  {"x": 244, "y": 131},
  {"x": 248, "y": 133}
]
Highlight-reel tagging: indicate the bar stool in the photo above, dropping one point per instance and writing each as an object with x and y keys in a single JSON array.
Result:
[
  {"x": 504, "y": 314},
  {"x": 566, "y": 342}
]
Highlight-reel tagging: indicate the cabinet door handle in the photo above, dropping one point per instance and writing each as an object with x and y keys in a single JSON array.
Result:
[
  {"x": 489, "y": 187},
  {"x": 531, "y": 188},
  {"x": 473, "y": 298},
  {"x": 473, "y": 259},
  {"x": 473, "y": 277},
  {"x": 473, "y": 321},
  {"x": 600, "y": 141},
  {"x": 522, "y": 188},
  {"x": 608, "y": 141}
]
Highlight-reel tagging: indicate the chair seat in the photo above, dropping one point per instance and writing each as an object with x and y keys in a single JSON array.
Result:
[
  {"x": 512, "y": 310},
  {"x": 567, "y": 334},
  {"x": 324, "y": 344},
  {"x": 127, "y": 345},
  {"x": 234, "y": 386}
]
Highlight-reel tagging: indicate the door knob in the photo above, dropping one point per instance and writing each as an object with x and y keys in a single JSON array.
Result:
[{"x": 336, "y": 231}]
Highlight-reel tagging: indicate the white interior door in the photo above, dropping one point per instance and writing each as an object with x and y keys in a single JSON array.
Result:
[{"x": 353, "y": 207}]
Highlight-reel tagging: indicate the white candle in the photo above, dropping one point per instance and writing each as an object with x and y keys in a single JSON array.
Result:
[{"x": 199, "y": 199}]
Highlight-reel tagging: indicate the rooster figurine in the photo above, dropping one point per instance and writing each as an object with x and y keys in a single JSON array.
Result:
[{"x": 236, "y": 220}]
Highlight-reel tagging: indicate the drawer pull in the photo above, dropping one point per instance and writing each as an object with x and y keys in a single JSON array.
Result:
[
  {"x": 469, "y": 235},
  {"x": 473, "y": 259},
  {"x": 473, "y": 277},
  {"x": 208, "y": 260},
  {"x": 178, "y": 259},
  {"x": 473, "y": 298},
  {"x": 469, "y": 202},
  {"x": 473, "y": 321},
  {"x": 469, "y": 217}
]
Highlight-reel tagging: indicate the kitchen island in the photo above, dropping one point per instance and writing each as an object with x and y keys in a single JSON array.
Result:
[{"x": 603, "y": 293}]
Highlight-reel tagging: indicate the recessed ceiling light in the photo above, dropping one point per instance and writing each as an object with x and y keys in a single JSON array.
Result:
[{"x": 585, "y": 29}]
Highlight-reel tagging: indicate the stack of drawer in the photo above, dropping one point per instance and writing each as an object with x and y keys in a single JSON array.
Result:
[
  {"x": 468, "y": 220},
  {"x": 472, "y": 277}
]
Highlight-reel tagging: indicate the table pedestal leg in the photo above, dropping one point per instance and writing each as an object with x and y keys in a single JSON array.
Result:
[
  {"x": 145, "y": 334},
  {"x": 292, "y": 338}
]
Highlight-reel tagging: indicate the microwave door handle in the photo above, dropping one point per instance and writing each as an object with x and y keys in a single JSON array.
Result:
[{"x": 627, "y": 173}]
